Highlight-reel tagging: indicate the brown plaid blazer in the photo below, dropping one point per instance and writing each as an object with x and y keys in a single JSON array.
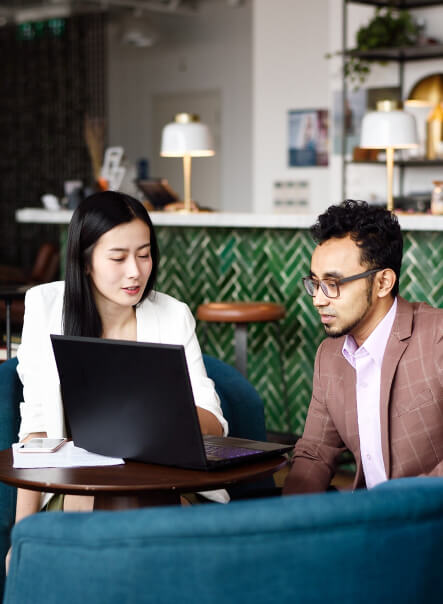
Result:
[{"x": 411, "y": 405}]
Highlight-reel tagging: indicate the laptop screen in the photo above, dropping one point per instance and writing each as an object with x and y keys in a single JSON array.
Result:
[{"x": 129, "y": 399}]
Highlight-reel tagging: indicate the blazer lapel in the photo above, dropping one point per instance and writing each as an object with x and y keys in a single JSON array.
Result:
[
  {"x": 397, "y": 344},
  {"x": 350, "y": 405}
]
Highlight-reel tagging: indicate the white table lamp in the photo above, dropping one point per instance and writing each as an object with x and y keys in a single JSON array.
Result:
[
  {"x": 186, "y": 137},
  {"x": 388, "y": 129}
]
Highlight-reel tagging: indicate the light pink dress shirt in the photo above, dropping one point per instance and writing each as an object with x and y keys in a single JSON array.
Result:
[{"x": 367, "y": 361}]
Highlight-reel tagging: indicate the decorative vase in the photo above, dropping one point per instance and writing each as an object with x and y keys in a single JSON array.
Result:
[{"x": 434, "y": 133}]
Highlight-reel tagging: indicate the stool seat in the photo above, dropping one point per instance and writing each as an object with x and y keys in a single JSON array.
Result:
[{"x": 240, "y": 312}]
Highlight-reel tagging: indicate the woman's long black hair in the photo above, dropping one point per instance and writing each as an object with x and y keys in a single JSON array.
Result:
[{"x": 95, "y": 216}]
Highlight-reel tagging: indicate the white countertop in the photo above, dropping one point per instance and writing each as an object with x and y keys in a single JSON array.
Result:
[{"x": 413, "y": 222}]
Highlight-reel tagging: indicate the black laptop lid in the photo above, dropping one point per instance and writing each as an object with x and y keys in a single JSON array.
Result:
[{"x": 114, "y": 394}]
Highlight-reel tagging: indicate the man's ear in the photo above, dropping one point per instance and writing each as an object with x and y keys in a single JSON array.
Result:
[{"x": 386, "y": 280}]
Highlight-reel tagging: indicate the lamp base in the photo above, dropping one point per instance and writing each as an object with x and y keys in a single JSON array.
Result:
[
  {"x": 185, "y": 211},
  {"x": 179, "y": 207}
]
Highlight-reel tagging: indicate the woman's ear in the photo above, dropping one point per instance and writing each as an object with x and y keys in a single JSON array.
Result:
[{"x": 386, "y": 281}]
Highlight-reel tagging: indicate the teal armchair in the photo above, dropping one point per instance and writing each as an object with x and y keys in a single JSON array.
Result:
[
  {"x": 241, "y": 404},
  {"x": 379, "y": 546},
  {"x": 10, "y": 395},
  {"x": 244, "y": 410}
]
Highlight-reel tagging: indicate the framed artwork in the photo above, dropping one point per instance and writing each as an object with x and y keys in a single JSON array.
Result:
[{"x": 308, "y": 137}]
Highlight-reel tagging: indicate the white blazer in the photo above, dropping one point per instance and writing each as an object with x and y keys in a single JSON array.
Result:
[{"x": 160, "y": 319}]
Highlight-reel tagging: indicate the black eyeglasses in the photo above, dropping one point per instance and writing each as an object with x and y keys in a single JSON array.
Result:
[{"x": 330, "y": 287}]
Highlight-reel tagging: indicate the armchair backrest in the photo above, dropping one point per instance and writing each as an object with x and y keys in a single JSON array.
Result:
[
  {"x": 369, "y": 546},
  {"x": 241, "y": 404},
  {"x": 11, "y": 392},
  {"x": 244, "y": 410}
]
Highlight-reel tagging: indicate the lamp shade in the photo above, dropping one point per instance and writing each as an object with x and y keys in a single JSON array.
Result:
[
  {"x": 186, "y": 136},
  {"x": 382, "y": 129},
  {"x": 428, "y": 90}
]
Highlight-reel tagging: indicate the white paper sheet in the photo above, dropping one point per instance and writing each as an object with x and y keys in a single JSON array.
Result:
[{"x": 68, "y": 456}]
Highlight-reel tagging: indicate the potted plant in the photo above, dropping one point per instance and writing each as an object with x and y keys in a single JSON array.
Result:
[{"x": 388, "y": 29}]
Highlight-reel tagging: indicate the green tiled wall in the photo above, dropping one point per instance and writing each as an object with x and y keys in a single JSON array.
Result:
[{"x": 206, "y": 264}]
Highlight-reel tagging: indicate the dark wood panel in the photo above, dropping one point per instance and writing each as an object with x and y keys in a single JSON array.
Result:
[{"x": 51, "y": 79}]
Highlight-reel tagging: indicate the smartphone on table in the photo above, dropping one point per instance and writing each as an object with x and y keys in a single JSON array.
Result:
[{"x": 41, "y": 445}]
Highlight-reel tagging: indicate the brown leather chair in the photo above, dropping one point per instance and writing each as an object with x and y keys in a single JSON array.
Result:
[{"x": 45, "y": 269}]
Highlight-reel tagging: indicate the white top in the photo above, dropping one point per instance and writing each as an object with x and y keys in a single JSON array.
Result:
[
  {"x": 413, "y": 222},
  {"x": 367, "y": 362},
  {"x": 160, "y": 319}
]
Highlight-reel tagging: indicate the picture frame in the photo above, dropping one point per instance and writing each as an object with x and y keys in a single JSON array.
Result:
[{"x": 308, "y": 137}]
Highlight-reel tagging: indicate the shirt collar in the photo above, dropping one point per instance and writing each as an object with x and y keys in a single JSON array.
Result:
[{"x": 375, "y": 343}]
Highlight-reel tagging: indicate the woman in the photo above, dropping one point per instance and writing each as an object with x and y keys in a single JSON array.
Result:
[{"x": 111, "y": 267}]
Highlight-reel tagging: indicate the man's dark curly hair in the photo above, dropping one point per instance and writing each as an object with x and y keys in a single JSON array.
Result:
[{"x": 375, "y": 230}]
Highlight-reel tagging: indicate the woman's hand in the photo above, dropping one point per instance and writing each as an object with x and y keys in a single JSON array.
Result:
[{"x": 209, "y": 424}]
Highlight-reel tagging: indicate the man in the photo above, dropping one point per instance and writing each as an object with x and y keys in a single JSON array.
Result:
[{"x": 378, "y": 377}]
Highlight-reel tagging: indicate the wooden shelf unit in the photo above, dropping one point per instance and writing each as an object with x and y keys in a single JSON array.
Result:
[{"x": 399, "y": 55}]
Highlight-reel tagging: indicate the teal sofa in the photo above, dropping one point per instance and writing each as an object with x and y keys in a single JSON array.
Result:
[{"x": 381, "y": 546}]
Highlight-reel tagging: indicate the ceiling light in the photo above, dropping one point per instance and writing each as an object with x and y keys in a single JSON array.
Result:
[{"x": 137, "y": 31}]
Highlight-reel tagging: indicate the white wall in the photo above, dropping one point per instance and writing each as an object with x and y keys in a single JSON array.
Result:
[
  {"x": 209, "y": 51},
  {"x": 290, "y": 39},
  {"x": 265, "y": 57}
]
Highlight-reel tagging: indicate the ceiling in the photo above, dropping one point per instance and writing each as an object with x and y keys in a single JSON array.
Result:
[{"x": 19, "y": 11}]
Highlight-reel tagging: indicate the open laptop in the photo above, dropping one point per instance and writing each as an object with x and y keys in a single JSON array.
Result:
[{"x": 134, "y": 400}]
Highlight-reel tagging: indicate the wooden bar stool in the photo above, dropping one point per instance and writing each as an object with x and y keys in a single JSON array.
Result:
[{"x": 241, "y": 314}]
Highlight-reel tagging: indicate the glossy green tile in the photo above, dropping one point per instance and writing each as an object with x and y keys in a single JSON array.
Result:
[{"x": 206, "y": 264}]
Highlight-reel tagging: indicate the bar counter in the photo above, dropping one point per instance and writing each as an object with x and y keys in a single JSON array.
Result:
[
  {"x": 414, "y": 222},
  {"x": 221, "y": 256}
]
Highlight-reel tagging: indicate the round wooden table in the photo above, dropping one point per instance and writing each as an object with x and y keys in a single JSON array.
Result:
[{"x": 133, "y": 484}]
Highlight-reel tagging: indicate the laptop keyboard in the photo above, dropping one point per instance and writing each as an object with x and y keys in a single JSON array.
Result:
[{"x": 219, "y": 451}]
